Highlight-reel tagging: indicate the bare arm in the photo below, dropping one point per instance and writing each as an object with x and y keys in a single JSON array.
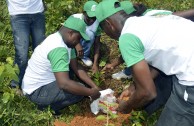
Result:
[
  {"x": 81, "y": 73},
  {"x": 65, "y": 83},
  {"x": 185, "y": 14},
  {"x": 118, "y": 61},
  {"x": 144, "y": 90},
  {"x": 154, "y": 72},
  {"x": 96, "y": 53},
  {"x": 114, "y": 63},
  {"x": 79, "y": 49}
]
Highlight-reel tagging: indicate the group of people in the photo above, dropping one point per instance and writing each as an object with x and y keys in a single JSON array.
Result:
[{"x": 156, "y": 46}]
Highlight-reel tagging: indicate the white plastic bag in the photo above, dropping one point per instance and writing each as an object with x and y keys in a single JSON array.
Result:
[{"x": 106, "y": 102}]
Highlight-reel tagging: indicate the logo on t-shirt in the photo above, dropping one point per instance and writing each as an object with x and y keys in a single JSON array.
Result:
[{"x": 93, "y": 8}]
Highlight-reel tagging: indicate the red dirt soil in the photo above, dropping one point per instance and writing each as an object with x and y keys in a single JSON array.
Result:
[{"x": 89, "y": 119}]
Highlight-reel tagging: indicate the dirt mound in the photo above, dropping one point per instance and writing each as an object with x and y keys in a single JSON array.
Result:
[{"x": 89, "y": 119}]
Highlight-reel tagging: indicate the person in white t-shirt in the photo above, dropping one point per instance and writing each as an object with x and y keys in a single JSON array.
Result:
[
  {"x": 141, "y": 10},
  {"x": 94, "y": 32},
  {"x": 163, "y": 43},
  {"x": 47, "y": 81},
  {"x": 28, "y": 23}
]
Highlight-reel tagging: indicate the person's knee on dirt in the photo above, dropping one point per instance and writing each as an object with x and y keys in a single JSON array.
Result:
[
  {"x": 94, "y": 33},
  {"x": 47, "y": 81},
  {"x": 144, "y": 42}
]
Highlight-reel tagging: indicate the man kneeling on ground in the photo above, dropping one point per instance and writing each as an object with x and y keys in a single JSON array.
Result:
[{"x": 47, "y": 81}]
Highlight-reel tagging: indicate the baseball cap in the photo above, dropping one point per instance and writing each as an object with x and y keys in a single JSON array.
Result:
[
  {"x": 90, "y": 7},
  {"x": 127, "y": 6},
  {"x": 78, "y": 25},
  {"x": 106, "y": 8}
]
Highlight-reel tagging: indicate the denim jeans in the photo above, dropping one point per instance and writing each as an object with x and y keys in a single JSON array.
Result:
[
  {"x": 51, "y": 95},
  {"x": 127, "y": 71},
  {"x": 86, "y": 45},
  {"x": 26, "y": 27}
]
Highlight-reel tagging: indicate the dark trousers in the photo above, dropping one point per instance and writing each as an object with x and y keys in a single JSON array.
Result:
[
  {"x": 179, "y": 109},
  {"x": 51, "y": 95},
  {"x": 163, "y": 85}
]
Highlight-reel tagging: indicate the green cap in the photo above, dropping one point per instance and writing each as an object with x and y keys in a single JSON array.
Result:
[
  {"x": 127, "y": 6},
  {"x": 78, "y": 25},
  {"x": 106, "y": 8},
  {"x": 90, "y": 7}
]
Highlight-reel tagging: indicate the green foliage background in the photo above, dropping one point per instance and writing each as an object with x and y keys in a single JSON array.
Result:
[{"x": 17, "y": 110}]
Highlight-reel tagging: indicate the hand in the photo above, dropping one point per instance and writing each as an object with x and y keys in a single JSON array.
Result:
[
  {"x": 123, "y": 100},
  {"x": 79, "y": 49},
  {"x": 124, "y": 107},
  {"x": 95, "y": 94},
  {"x": 108, "y": 67},
  {"x": 94, "y": 68},
  {"x": 127, "y": 92}
]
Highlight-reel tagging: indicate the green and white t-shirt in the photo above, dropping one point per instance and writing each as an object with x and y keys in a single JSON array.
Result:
[
  {"x": 52, "y": 55},
  {"x": 165, "y": 43},
  {"x": 154, "y": 12},
  {"x": 93, "y": 30}
]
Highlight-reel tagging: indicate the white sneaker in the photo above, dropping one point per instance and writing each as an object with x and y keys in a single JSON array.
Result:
[
  {"x": 120, "y": 75},
  {"x": 87, "y": 62}
]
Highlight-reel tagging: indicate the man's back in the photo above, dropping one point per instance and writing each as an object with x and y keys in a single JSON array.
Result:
[{"x": 167, "y": 41}]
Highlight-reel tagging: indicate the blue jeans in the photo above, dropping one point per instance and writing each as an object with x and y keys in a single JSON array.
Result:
[
  {"x": 127, "y": 71},
  {"x": 86, "y": 45},
  {"x": 51, "y": 95},
  {"x": 26, "y": 27}
]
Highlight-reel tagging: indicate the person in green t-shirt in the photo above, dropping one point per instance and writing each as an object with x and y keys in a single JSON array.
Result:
[
  {"x": 141, "y": 10},
  {"x": 47, "y": 80},
  {"x": 152, "y": 46}
]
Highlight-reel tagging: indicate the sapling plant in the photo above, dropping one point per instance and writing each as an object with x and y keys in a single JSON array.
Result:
[
  {"x": 108, "y": 105},
  {"x": 109, "y": 115},
  {"x": 97, "y": 78}
]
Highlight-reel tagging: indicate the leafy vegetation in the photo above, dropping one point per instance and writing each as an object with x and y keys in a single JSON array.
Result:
[{"x": 15, "y": 109}]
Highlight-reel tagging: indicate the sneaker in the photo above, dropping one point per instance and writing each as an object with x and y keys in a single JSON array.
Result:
[
  {"x": 120, "y": 75},
  {"x": 87, "y": 62}
]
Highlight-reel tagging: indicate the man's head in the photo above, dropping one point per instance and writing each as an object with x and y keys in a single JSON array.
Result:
[
  {"x": 74, "y": 30},
  {"x": 111, "y": 15},
  {"x": 89, "y": 12},
  {"x": 127, "y": 6}
]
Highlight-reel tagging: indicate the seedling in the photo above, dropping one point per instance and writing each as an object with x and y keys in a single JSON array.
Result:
[
  {"x": 97, "y": 78},
  {"x": 108, "y": 105},
  {"x": 109, "y": 115}
]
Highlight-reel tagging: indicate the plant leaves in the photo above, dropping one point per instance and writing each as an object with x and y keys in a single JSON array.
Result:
[
  {"x": 101, "y": 117},
  {"x": 6, "y": 97},
  {"x": 102, "y": 63}
]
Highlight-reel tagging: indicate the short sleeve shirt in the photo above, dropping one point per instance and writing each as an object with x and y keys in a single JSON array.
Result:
[{"x": 59, "y": 59}]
